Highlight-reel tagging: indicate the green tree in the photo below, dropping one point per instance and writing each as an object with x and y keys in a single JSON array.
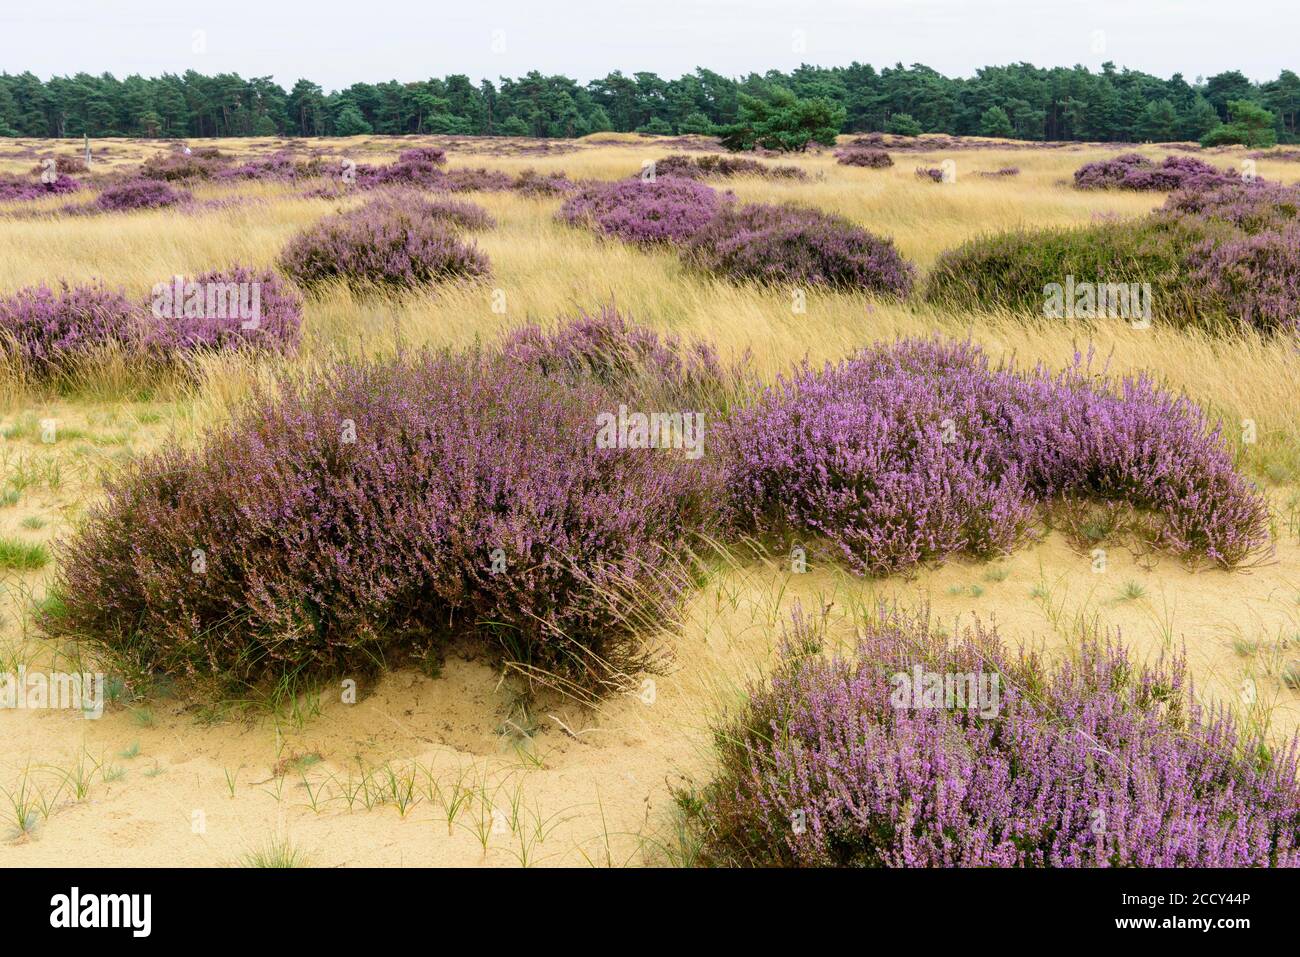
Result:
[
  {"x": 350, "y": 122},
  {"x": 656, "y": 127},
  {"x": 695, "y": 123},
  {"x": 1251, "y": 125},
  {"x": 513, "y": 126},
  {"x": 1158, "y": 122},
  {"x": 903, "y": 124},
  {"x": 995, "y": 122},
  {"x": 783, "y": 122}
]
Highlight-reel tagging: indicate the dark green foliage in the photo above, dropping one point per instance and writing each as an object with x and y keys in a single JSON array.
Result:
[
  {"x": 1010, "y": 270},
  {"x": 1251, "y": 125},
  {"x": 783, "y": 122},
  {"x": 1039, "y": 104}
]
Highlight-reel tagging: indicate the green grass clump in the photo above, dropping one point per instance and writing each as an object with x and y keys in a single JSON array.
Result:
[{"x": 22, "y": 556}]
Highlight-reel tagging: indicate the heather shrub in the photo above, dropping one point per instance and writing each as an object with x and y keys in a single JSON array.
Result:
[
  {"x": 665, "y": 209},
  {"x": 381, "y": 244},
  {"x": 862, "y": 456},
  {"x": 868, "y": 158},
  {"x": 630, "y": 360},
  {"x": 50, "y": 331},
  {"x": 1002, "y": 171},
  {"x": 233, "y": 308},
  {"x": 1012, "y": 270},
  {"x": 423, "y": 154},
  {"x": 383, "y": 507},
  {"x": 537, "y": 185},
  {"x": 1259, "y": 275},
  {"x": 417, "y": 167},
  {"x": 919, "y": 450},
  {"x": 452, "y": 212},
  {"x": 277, "y": 167},
  {"x": 797, "y": 245},
  {"x": 1134, "y": 171},
  {"x": 180, "y": 167},
  {"x": 1253, "y": 207},
  {"x": 63, "y": 163},
  {"x": 140, "y": 194},
  {"x": 1099, "y": 762},
  {"x": 15, "y": 189},
  {"x": 476, "y": 180},
  {"x": 932, "y": 173},
  {"x": 722, "y": 167}
]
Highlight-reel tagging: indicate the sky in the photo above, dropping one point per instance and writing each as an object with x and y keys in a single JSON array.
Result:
[{"x": 339, "y": 42}]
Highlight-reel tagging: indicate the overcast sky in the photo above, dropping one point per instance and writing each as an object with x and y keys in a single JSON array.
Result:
[{"x": 339, "y": 42}]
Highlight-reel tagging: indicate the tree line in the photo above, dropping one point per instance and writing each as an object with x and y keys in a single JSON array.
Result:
[{"x": 1018, "y": 100}]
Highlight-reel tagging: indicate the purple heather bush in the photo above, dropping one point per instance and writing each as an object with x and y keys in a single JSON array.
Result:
[
  {"x": 54, "y": 329},
  {"x": 476, "y": 180},
  {"x": 1134, "y": 171},
  {"x": 868, "y": 158},
  {"x": 797, "y": 245},
  {"x": 423, "y": 154},
  {"x": 1100, "y": 762},
  {"x": 382, "y": 507},
  {"x": 630, "y": 360},
  {"x": 16, "y": 189},
  {"x": 250, "y": 308},
  {"x": 1004, "y": 171},
  {"x": 277, "y": 167},
  {"x": 722, "y": 167},
  {"x": 537, "y": 185},
  {"x": 666, "y": 209},
  {"x": 140, "y": 194},
  {"x": 1258, "y": 276},
  {"x": 182, "y": 167},
  {"x": 918, "y": 450},
  {"x": 932, "y": 173},
  {"x": 381, "y": 244}
]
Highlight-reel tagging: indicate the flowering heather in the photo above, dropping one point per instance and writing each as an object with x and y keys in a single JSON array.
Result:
[
  {"x": 629, "y": 359},
  {"x": 63, "y": 163},
  {"x": 1258, "y": 276},
  {"x": 537, "y": 185},
  {"x": 383, "y": 507},
  {"x": 420, "y": 167},
  {"x": 277, "y": 167},
  {"x": 53, "y": 329},
  {"x": 1100, "y": 762},
  {"x": 722, "y": 167},
  {"x": 1253, "y": 207},
  {"x": 453, "y": 212},
  {"x": 797, "y": 245},
  {"x": 1004, "y": 171},
  {"x": 179, "y": 167},
  {"x": 194, "y": 324},
  {"x": 1134, "y": 171},
  {"x": 932, "y": 173},
  {"x": 423, "y": 154},
  {"x": 477, "y": 180},
  {"x": 140, "y": 194},
  {"x": 381, "y": 244},
  {"x": 919, "y": 450},
  {"x": 14, "y": 189},
  {"x": 870, "y": 159},
  {"x": 666, "y": 209}
]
